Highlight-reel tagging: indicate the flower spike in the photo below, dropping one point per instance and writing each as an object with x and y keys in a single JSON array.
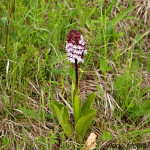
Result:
[{"x": 75, "y": 46}]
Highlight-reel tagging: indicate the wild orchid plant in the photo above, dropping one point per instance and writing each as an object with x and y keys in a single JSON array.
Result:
[{"x": 83, "y": 116}]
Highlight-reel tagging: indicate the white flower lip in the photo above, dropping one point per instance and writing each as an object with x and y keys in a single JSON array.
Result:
[{"x": 71, "y": 60}]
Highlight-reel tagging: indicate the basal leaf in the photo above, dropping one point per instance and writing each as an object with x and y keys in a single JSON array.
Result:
[
  {"x": 76, "y": 107},
  {"x": 84, "y": 122},
  {"x": 88, "y": 103},
  {"x": 62, "y": 116}
]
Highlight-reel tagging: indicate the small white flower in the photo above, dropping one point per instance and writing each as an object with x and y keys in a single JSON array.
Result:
[
  {"x": 75, "y": 46},
  {"x": 71, "y": 60},
  {"x": 69, "y": 54},
  {"x": 80, "y": 47}
]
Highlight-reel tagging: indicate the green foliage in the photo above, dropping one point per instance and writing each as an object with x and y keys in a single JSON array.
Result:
[
  {"x": 84, "y": 122},
  {"x": 50, "y": 140},
  {"x": 76, "y": 107},
  {"x": 29, "y": 113},
  {"x": 108, "y": 10},
  {"x": 83, "y": 119},
  {"x": 141, "y": 110},
  {"x": 88, "y": 103},
  {"x": 34, "y": 70},
  {"x": 5, "y": 142},
  {"x": 148, "y": 64},
  {"x": 87, "y": 116},
  {"x": 103, "y": 65},
  {"x": 115, "y": 21},
  {"x": 106, "y": 136},
  {"x": 63, "y": 117},
  {"x": 124, "y": 92},
  {"x": 122, "y": 84}
]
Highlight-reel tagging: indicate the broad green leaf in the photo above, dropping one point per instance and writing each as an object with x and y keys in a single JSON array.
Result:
[
  {"x": 76, "y": 107},
  {"x": 88, "y": 103},
  {"x": 84, "y": 122},
  {"x": 75, "y": 103},
  {"x": 62, "y": 116},
  {"x": 116, "y": 20},
  {"x": 104, "y": 66}
]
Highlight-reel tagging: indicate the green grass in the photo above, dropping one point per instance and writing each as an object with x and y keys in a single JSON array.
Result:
[{"x": 34, "y": 71}]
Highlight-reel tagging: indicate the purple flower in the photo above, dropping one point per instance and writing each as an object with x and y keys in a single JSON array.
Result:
[{"x": 75, "y": 46}]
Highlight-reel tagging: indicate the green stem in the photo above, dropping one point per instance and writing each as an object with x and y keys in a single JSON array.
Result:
[{"x": 76, "y": 102}]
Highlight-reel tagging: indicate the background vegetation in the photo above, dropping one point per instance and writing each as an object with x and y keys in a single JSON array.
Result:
[{"x": 34, "y": 70}]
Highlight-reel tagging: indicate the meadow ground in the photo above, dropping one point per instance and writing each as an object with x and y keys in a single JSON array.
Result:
[{"x": 34, "y": 71}]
